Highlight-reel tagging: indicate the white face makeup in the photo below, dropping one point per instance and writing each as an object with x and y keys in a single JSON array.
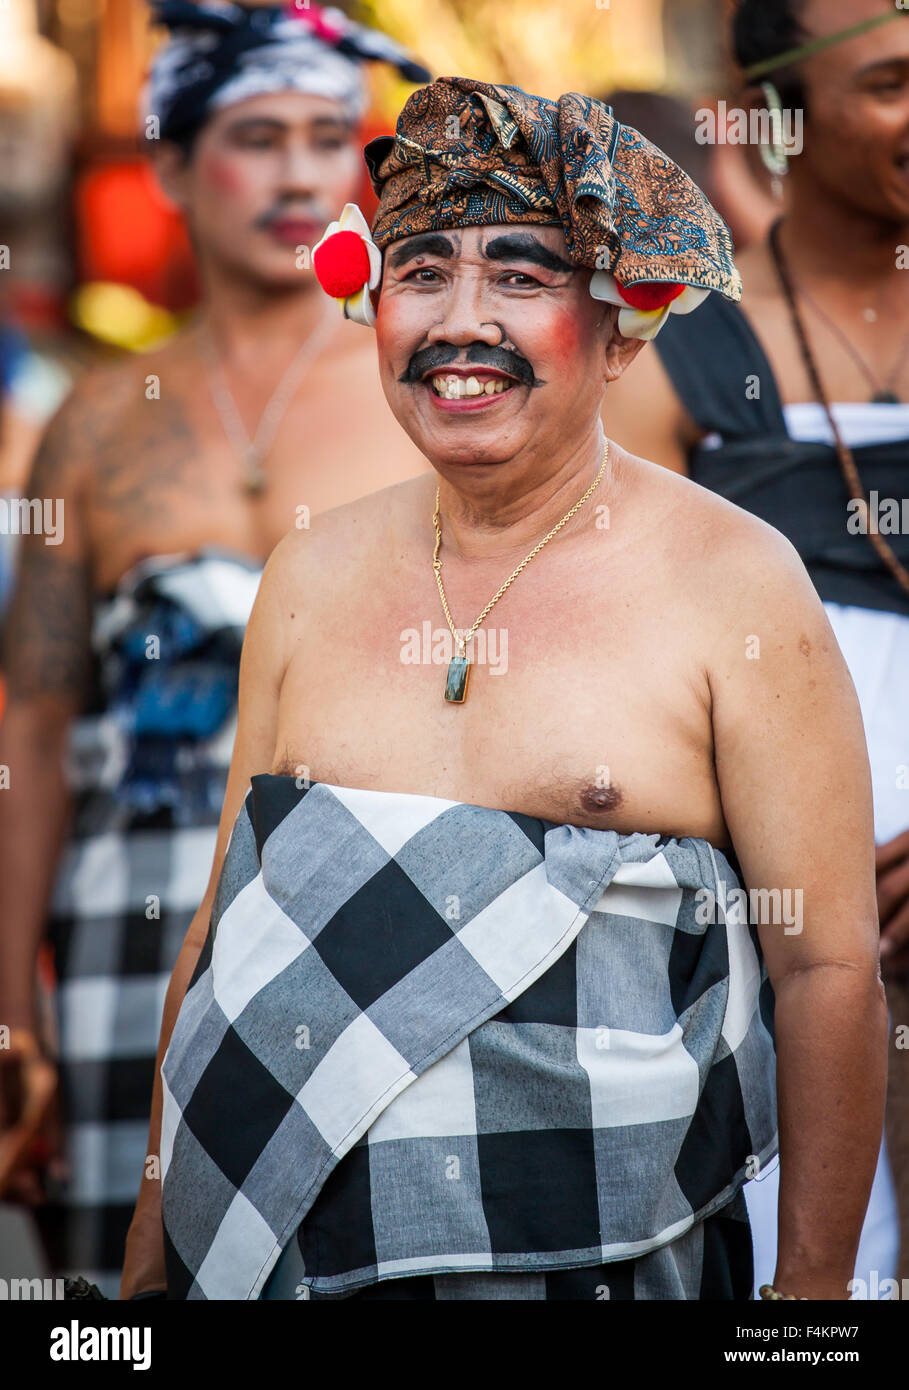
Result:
[
  {"x": 264, "y": 179},
  {"x": 489, "y": 341}
]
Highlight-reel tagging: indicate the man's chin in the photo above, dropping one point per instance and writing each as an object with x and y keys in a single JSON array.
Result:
[{"x": 454, "y": 456}]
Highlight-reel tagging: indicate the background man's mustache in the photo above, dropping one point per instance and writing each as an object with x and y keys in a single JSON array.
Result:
[
  {"x": 292, "y": 212},
  {"x": 480, "y": 354}
]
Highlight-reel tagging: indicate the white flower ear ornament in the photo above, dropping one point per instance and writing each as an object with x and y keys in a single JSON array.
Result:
[
  {"x": 348, "y": 264},
  {"x": 645, "y": 307}
]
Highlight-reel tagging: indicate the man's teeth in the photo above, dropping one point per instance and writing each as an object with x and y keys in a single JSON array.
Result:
[{"x": 452, "y": 388}]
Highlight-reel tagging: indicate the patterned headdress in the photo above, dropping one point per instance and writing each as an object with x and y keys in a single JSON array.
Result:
[
  {"x": 469, "y": 153},
  {"x": 220, "y": 53}
]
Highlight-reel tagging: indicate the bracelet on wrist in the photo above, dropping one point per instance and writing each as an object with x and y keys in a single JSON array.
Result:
[{"x": 770, "y": 1294}]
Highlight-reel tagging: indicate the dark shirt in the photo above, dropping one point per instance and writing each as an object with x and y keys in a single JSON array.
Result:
[{"x": 725, "y": 382}]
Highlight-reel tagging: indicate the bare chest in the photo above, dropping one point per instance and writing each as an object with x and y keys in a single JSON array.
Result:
[
  {"x": 579, "y": 708},
  {"x": 173, "y": 478},
  {"x": 857, "y": 349}
]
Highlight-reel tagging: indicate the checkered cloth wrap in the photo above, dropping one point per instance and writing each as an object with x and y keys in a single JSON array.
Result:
[
  {"x": 713, "y": 1260},
  {"x": 475, "y": 1040},
  {"x": 127, "y": 847}
]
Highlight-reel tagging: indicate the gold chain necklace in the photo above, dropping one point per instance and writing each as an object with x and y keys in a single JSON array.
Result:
[{"x": 459, "y": 665}]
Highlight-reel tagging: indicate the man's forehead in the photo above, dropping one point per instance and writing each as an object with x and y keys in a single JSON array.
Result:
[
  {"x": 543, "y": 244},
  {"x": 285, "y": 108}
]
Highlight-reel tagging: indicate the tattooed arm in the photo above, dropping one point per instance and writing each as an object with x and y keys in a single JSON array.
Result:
[{"x": 46, "y": 663}]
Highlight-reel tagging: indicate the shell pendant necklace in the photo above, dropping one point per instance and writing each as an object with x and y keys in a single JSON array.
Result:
[{"x": 254, "y": 449}]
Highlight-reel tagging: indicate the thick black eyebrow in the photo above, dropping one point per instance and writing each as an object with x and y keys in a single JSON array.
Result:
[
  {"x": 427, "y": 243},
  {"x": 523, "y": 246}
]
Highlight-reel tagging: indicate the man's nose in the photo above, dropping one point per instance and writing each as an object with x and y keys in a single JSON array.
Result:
[
  {"x": 299, "y": 169},
  {"x": 463, "y": 319}
]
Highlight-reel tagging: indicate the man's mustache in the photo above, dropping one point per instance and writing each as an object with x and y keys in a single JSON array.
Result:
[
  {"x": 284, "y": 212},
  {"x": 478, "y": 354}
]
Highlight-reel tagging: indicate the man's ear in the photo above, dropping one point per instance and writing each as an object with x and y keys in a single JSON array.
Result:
[
  {"x": 376, "y": 294},
  {"x": 619, "y": 351},
  {"x": 171, "y": 166}
]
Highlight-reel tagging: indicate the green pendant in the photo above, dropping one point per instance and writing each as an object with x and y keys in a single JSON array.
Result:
[
  {"x": 256, "y": 477},
  {"x": 456, "y": 683}
]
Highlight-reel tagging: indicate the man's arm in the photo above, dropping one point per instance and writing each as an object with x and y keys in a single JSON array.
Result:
[
  {"x": 793, "y": 773},
  {"x": 47, "y": 663},
  {"x": 266, "y": 651}
]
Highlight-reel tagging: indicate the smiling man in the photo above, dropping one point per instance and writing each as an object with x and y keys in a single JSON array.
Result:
[{"x": 471, "y": 1009}]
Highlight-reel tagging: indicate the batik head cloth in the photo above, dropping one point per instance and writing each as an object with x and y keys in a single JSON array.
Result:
[
  {"x": 220, "y": 53},
  {"x": 468, "y": 154}
]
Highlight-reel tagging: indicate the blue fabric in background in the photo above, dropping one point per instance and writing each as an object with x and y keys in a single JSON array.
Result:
[{"x": 171, "y": 683}]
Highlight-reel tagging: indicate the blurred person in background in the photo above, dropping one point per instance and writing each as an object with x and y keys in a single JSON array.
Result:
[
  {"x": 795, "y": 405},
  {"x": 31, "y": 389},
  {"x": 742, "y": 189},
  {"x": 177, "y": 472},
  {"x": 668, "y": 121},
  {"x": 734, "y": 181}
]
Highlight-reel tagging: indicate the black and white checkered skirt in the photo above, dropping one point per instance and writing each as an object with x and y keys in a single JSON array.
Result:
[{"x": 712, "y": 1261}]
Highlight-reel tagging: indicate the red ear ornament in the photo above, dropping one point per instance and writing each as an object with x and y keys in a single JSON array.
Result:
[{"x": 342, "y": 264}]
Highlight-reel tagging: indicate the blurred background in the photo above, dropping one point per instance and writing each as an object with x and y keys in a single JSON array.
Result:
[
  {"x": 97, "y": 262},
  {"x": 97, "y": 266}
]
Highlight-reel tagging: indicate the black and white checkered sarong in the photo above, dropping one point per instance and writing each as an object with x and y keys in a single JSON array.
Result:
[
  {"x": 712, "y": 1261},
  {"x": 130, "y": 881},
  {"x": 428, "y": 1038}
]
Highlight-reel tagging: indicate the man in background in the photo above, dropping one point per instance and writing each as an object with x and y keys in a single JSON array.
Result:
[{"x": 174, "y": 475}]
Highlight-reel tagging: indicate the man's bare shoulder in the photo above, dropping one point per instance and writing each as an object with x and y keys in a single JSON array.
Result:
[
  {"x": 113, "y": 386},
  {"x": 735, "y": 588},
  {"x": 350, "y": 535},
  {"x": 94, "y": 411},
  {"x": 719, "y": 552}
]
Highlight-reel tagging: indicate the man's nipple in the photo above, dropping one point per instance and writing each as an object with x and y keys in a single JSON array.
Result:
[{"x": 601, "y": 799}]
